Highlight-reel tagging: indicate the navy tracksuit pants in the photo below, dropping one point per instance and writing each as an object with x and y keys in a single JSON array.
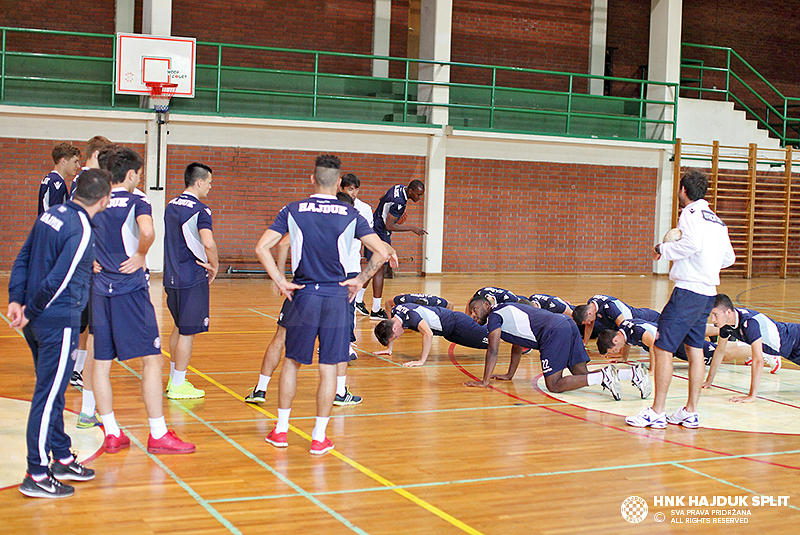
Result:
[{"x": 52, "y": 357}]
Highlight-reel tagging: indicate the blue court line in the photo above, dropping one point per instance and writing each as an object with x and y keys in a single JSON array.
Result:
[
  {"x": 205, "y": 504},
  {"x": 19, "y": 332},
  {"x": 199, "y": 499},
  {"x": 251, "y": 456},
  {"x": 374, "y": 414},
  {"x": 749, "y": 491},
  {"x": 523, "y": 476}
]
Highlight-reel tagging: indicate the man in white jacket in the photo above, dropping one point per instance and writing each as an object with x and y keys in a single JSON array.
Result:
[{"x": 702, "y": 250}]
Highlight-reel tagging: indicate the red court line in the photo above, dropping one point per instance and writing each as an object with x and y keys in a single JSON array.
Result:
[{"x": 630, "y": 431}]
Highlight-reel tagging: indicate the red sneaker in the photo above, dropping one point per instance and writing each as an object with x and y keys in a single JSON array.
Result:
[
  {"x": 277, "y": 439},
  {"x": 169, "y": 443},
  {"x": 114, "y": 444},
  {"x": 321, "y": 448}
]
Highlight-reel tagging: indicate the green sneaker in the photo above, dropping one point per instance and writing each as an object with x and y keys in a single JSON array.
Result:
[
  {"x": 185, "y": 391},
  {"x": 87, "y": 422}
]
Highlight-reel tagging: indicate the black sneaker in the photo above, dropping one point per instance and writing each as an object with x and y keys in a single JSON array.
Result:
[
  {"x": 74, "y": 471},
  {"x": 347, "y": 399},
  {"x": 362, "y": 308},
  {"x": 49, "y": 487},
  {"x": 256, "y": 396},
  {"x": 76, "y": 379},
  {"x": 379, "y": 315}
]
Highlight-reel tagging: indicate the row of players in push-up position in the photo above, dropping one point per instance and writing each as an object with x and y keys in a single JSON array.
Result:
[{"x": 757, "y": 339}]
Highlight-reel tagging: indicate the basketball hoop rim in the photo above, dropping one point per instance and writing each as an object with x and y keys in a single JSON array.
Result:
[{"x": 158, "y": 89}]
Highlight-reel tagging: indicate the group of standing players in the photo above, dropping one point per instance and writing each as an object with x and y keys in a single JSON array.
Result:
[
  {"x": 82, "y": 274},
  {"x": 65, "y": 255}
]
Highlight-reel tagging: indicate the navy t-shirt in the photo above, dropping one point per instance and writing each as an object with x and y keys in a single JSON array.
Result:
[
  {"x": 393, "y": 202},
  {"x": 321, "y": 230},
  {"x": 184, "y": 217},
  {"x": 117, "y": 239}
]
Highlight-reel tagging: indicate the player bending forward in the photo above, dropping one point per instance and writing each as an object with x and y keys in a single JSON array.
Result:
[{"x": 560, "y": 347}]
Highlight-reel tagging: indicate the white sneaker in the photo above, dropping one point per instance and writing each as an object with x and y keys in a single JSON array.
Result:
[
  {"x": 648, "y": 418},
  {"x": 684, "y": 418},
  {"x": 773, "y": 362},
  {"x": 611, "y": 381},
  {"x": 641, "y": 380}
]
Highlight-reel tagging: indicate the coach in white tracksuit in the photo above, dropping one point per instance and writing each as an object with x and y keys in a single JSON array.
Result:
[{"x": 703, "y": 249}]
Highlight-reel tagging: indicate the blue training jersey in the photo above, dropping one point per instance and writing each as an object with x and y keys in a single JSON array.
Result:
[
  {"x": 117, "y": 235},
  {"x": 393, "y": 202},
  {"x": 550, "y": 303},
  {"x": 635, "y": 329},
  {"x": 497, "y": 296},
  {"x": 609, "y": 308},
  {"x": 184, "y": 217},
  {"x": 51, "y": 273},
  {"x": 52, "y": 191},
  {"x": 437, "y": 318},
  {"x": 321, "y": 230},
  {"x": 421, "y": 299},
  {"x": 523, "y": 325},
  {"x": 452, "y": 325},
  {"x": 777, "y": 338}
]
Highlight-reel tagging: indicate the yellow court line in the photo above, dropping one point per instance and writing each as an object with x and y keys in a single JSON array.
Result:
[{"x": 361, "y": 468}]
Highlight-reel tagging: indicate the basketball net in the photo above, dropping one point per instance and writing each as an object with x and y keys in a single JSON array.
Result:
[{"x": 160, "y": 94}]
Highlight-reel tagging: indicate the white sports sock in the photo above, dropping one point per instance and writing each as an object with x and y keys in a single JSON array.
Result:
[
  {"x": 263, "y": 382},
  {"x": 88, "y": 403},
  {"x": 376, "y": 304},
  {"x": 158, "y": 427},
  {"x": 171, "y": 369},
  {"x": 318, "y": 433},
  {"x": 110, "y": 424},
  {"x": 625, "y": 374},
  {"x": 40, "y": 477},
  {"x": 80, "y": 359},
  {"x": 360, "y": 295},
  {"x": 67, "y": 460},
  {"x": 340, "y": 385},
  {"x": 595, "y": 378},
  {"x": 283, "y": 420},
  {"x": 178, "y": 378}
]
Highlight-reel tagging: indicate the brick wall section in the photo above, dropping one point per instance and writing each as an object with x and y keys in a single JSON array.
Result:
[
  {"x": 251, "y": 185},
  {"x": 533, "y": 34},
  {"x": 500, "y": 216},
  {"x": 25, "y": 162},
  {"x": 766, "y": 35},
  {"x": 548, "y": 217}
]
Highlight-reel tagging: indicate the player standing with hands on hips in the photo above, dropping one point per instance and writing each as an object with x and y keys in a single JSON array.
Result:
[
  {"x": 702, "y": 250},
  {"x": 319, "y": 291}
]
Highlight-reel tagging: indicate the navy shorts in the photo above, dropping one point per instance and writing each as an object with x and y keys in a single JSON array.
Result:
[
  {"x": 683, "y": 320},
  {"x": 386, "y": 238},
  {"x": 708, "y": 352},
  {"x": 125, "y": 326},
  {"x": 86, "y": 315},
  {"x": 189, "y": 308},
  {"x": 561, "y": 347},
  {"x": 468, "y": 333},
  {"x": 287, "y": 306},
  {"x": 318, "y": 311},
  {"x": 352, "y": 306}
]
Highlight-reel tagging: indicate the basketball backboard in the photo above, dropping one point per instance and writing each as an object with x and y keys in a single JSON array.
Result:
[{"x": 145, "y": 58}]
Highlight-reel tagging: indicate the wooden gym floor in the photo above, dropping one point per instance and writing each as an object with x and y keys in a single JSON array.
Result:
[{"x": 422, "y": 454}]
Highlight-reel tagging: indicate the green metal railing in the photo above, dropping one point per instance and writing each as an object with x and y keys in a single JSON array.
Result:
[
  {"x": 319, "y": 85},
  {"x": 723, "y": 73}
]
